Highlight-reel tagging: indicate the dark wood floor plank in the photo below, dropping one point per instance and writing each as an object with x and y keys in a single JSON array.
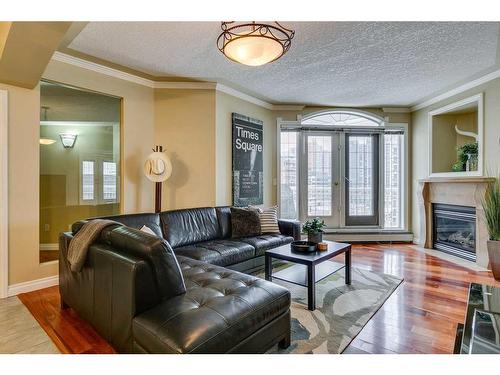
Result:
[
  {"x": 419, "y": 317},
  {"x": 68, "y": 331}
]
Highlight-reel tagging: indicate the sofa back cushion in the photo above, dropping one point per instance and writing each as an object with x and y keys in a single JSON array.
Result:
[
  {"x": 224, "y": 217},
  {"x": 188, "y": 226},
  {"x": 152, "y": 249}
]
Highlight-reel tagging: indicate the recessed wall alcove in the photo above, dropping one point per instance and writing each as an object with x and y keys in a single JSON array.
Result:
[{"x": 456, "y": 139}]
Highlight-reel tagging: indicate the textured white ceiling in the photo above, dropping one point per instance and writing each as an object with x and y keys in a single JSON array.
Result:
[{"x": 329, "y": 63}]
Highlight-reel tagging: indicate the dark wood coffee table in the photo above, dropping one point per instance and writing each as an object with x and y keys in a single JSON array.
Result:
[{"x": 317, "y": 267}]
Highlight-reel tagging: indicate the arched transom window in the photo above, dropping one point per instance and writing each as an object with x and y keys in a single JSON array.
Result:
[{"x": 343, "y": 118}]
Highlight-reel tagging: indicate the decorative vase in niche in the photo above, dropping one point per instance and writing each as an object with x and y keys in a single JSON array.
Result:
[
  {"x": 315, "y": 237},
  {"x": 471, "y": 164}
]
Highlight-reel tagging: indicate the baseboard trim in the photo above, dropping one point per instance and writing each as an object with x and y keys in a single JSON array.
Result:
[
  {"x": 49, "y": 246},
  {"x": 30, "y": 286},
  {"x": 369, "y": 237}
]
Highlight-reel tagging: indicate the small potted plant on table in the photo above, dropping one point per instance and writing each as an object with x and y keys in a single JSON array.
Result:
[
  {"x": 314, "y": 230},
  {"x": 491, "y": 207}
]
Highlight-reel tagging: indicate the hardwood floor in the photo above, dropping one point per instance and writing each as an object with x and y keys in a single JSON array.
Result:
[
  {"x": 422, "y": 314},
  {"x": 419, "y": 317},
  {"x": 48, "y": 255},
  {"x": 68, "y": 332}
]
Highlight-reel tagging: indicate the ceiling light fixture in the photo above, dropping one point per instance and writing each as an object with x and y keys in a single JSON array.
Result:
[
  {"x": 254, "y": 44},
  {"x": 68, "y": 140},
  {"x": 47, "y": 141}
]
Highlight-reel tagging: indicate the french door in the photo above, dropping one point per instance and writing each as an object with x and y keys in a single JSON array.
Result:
[
  {"x": 321, "y": 177},
  {"x": 361, "y": 179},
  {"x": 346, "y": 167},
  {"x": 338, "y": 176}
]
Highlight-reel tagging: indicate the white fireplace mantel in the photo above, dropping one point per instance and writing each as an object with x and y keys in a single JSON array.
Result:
[{"x": 463, "y": 191}]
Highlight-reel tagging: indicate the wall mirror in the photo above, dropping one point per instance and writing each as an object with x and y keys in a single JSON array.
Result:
[
  {"x": 456, "y": 139},
  {"x": 79, "y": 160}
]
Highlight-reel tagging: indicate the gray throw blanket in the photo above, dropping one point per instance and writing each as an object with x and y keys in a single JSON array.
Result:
[{"x": 79, "y": 245}]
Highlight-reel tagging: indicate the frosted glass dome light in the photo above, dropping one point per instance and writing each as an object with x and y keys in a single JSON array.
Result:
[{"x": 254, "y": 44}]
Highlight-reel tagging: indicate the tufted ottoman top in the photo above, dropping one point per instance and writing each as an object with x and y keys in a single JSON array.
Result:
[{"x": 220, "y": 309}]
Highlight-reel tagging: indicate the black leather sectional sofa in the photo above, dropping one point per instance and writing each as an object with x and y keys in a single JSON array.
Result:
[{"x": 179, "y": 291}]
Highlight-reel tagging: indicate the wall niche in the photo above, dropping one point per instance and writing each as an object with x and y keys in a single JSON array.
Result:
[{"x": 455, "y": 139}]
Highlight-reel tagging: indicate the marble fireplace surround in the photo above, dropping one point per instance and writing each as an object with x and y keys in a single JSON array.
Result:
[{"x": 465, "y": 191}]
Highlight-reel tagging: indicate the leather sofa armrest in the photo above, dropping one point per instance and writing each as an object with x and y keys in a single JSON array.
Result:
[
  {"x": 111, "y": 289},
  {"x": 290, "y": 228},
  {"x": 124, "y": 287}
]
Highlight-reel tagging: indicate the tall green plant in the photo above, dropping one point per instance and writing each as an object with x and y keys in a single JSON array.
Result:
[{"x": 491, "y": 207}]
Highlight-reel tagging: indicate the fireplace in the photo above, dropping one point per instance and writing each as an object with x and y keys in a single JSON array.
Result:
[{"x": 454, "y": 230}]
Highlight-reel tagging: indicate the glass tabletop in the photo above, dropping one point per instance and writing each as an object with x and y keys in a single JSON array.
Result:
[{"x": 482, "y": 322}]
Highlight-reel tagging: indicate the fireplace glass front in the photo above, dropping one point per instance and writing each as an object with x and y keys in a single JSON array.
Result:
[{"x": 455, "y": 230}]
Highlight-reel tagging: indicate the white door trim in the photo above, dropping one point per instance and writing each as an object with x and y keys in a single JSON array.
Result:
[{"x": 4, "y": 196}]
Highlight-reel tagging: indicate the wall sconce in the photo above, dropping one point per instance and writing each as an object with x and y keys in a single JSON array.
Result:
[{"x": 68, "y": 140}]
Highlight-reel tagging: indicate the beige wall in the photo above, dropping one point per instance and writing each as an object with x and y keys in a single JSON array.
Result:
[
  {"x": 444, "y": 148},
  {"x": 420, "y": 143},
  {"x": 467, "y": 122},
  {"x": 24, "y": 117},
  {"x": 27, "y": 49},
  {"x": 185, "y": 127},
  {"x": 226, "y": 105}
]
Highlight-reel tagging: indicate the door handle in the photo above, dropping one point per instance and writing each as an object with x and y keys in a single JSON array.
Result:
[{"x": 336, "y": 183}]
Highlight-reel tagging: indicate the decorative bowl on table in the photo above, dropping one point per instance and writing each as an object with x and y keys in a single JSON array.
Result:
[{"x": 303, "y": 246}]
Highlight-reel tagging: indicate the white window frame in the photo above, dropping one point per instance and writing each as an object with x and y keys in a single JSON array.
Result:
[
  {"x": 280, "y": 123},
  {"x": 405, "y": 177},
  {"x": 404, "y": 173},
  {"x": 101, "y": 175},
  {"x": 87, "y": 201},
  {"x": 98, "y": 159},
  {"x": 297, "y": 174}
]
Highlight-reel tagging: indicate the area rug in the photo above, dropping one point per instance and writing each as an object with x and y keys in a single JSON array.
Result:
[{"x": 341, "y": 310}]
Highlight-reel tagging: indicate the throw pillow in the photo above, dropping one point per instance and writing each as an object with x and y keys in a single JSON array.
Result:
[
  {"x": 147, "y": 230},
  {"x": 244, "y": 222},
  {"x": 255, "y": 208},
  {"x": 269, "y": 220}
]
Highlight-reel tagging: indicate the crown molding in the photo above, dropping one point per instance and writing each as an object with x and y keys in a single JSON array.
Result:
[
  {"x": 288, "y": 107},
  {"x": 238, "y": 94},
  {"x": 457, "y": 90},
  {"x": 111, "y": 72},
  {"x": 98, "y": 68},
  {"x": 185, "y": 85},
  {"x": 396, "y": 110}
]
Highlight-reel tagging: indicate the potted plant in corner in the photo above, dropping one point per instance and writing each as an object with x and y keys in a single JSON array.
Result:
[
  {"x": 314, "y": 230},
  {"x": 491, "y": 207}
]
